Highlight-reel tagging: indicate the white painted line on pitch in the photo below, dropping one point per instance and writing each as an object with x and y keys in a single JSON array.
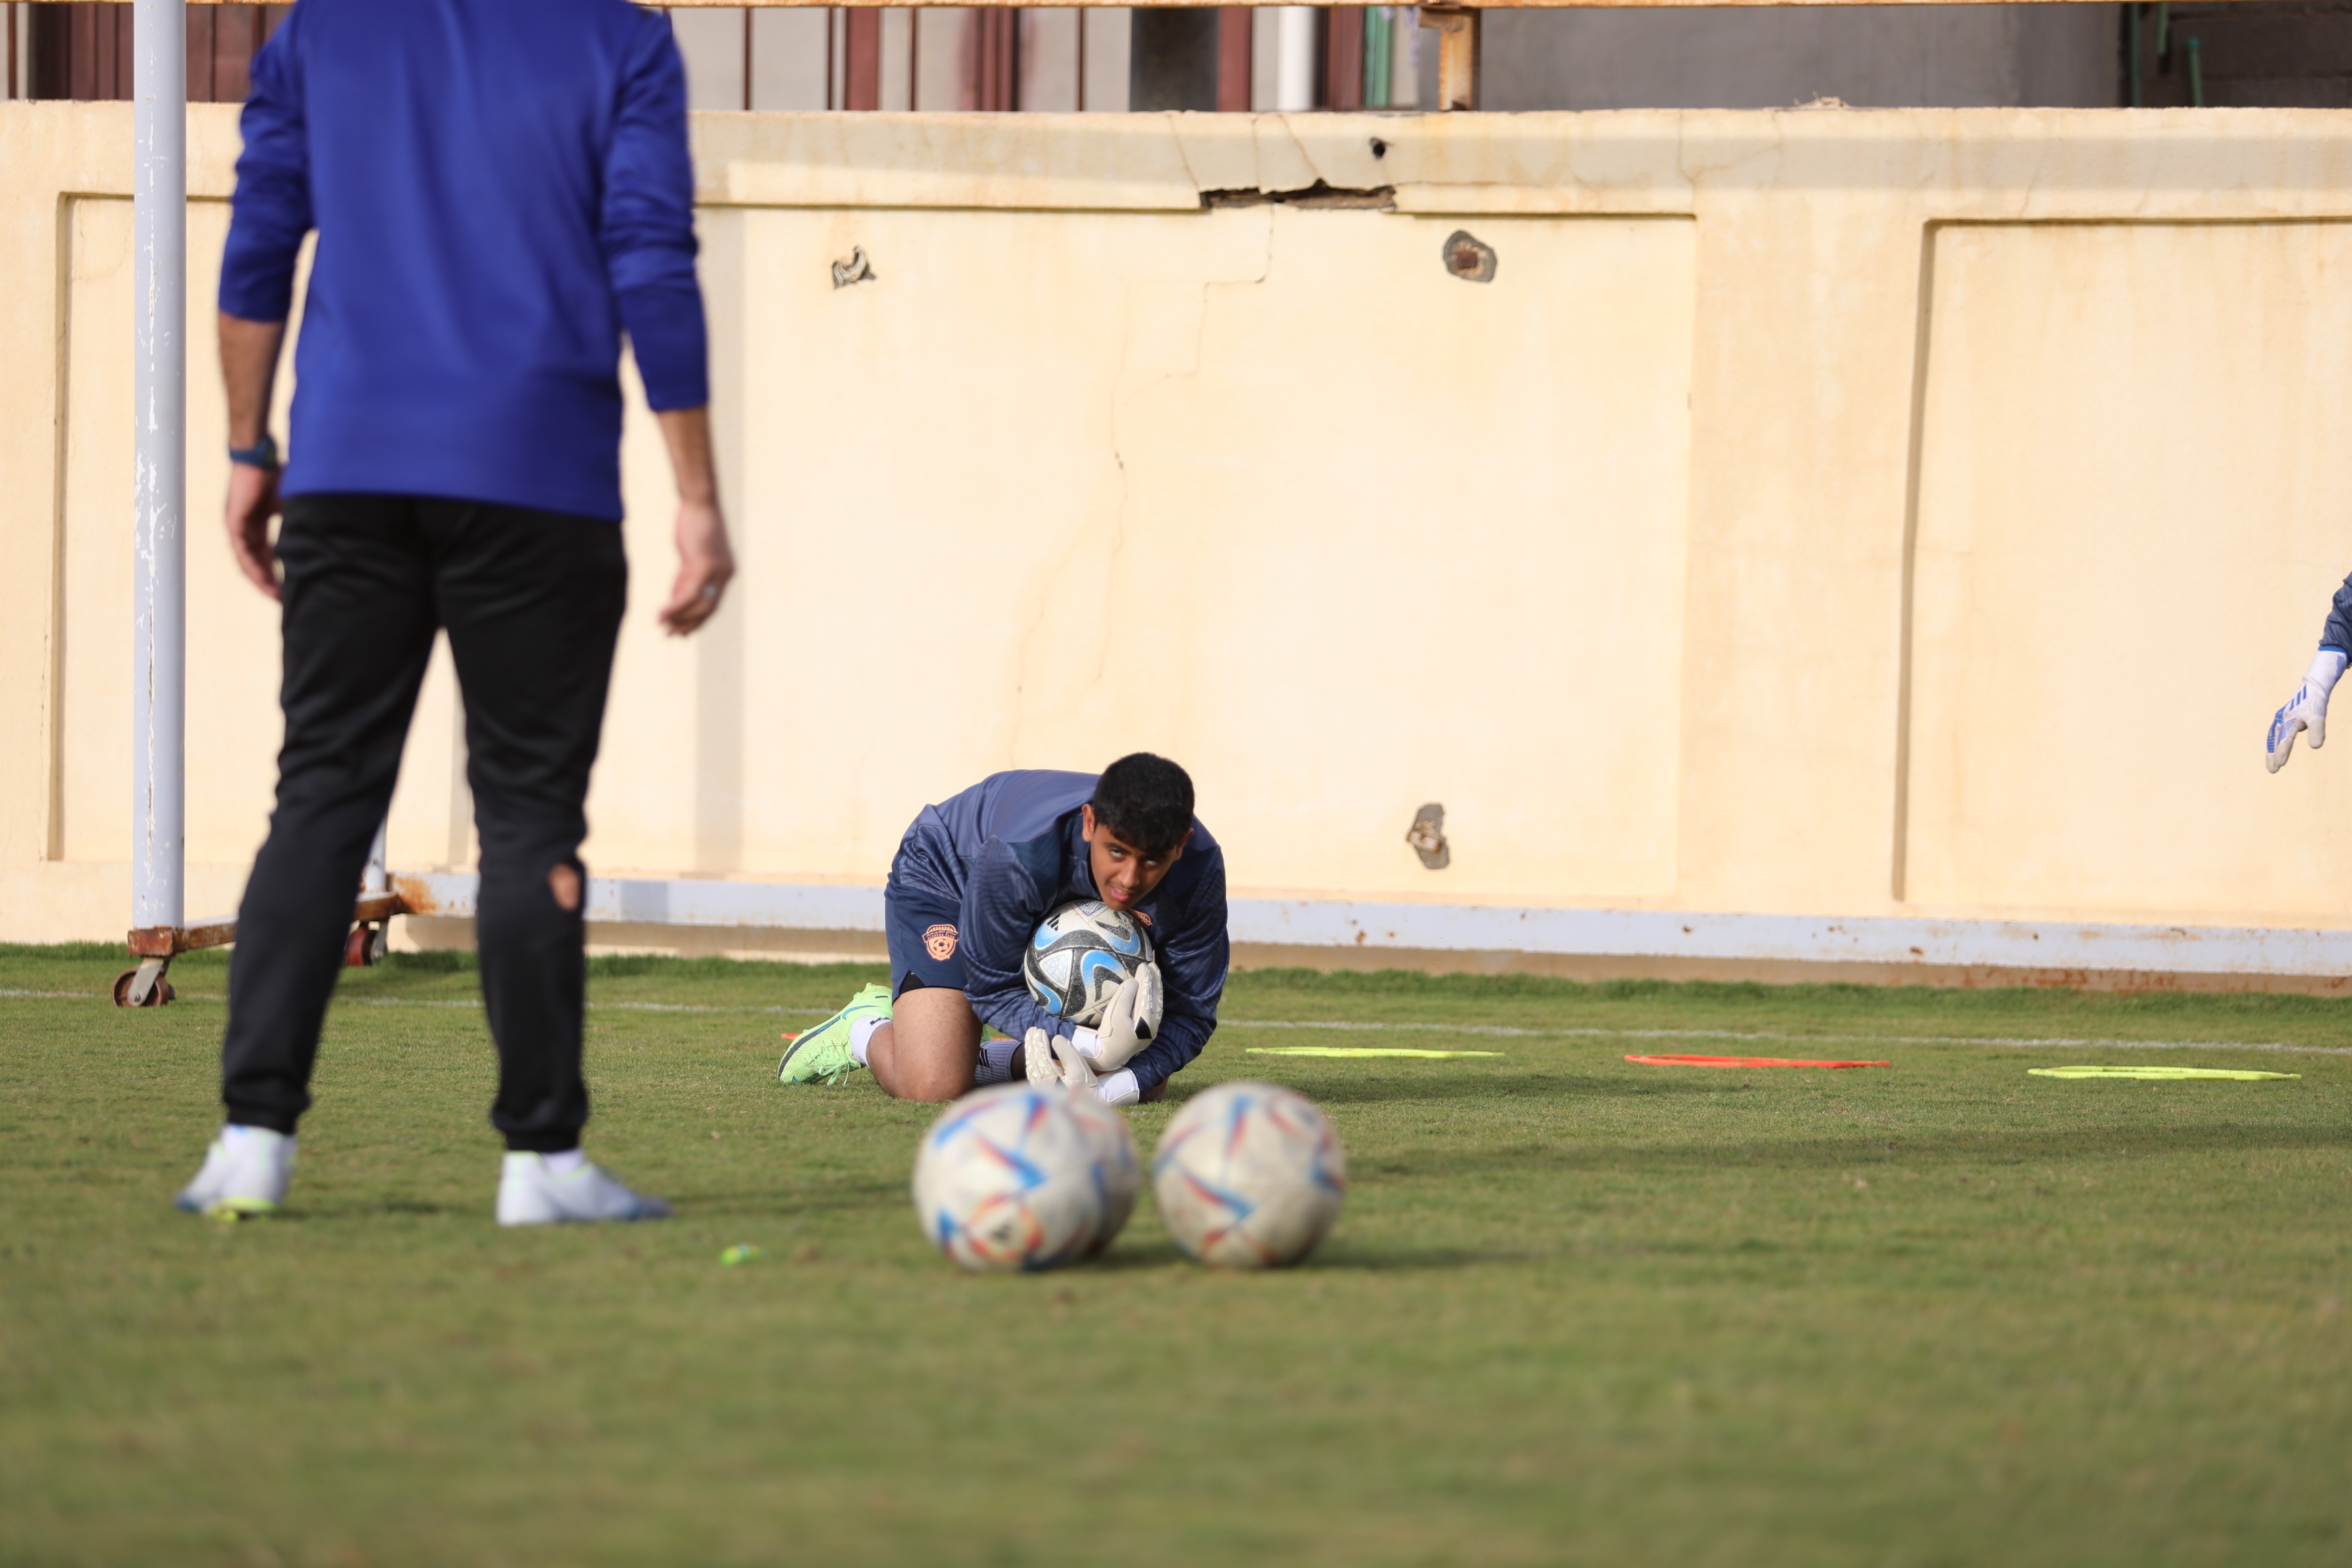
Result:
[
  {"x": 1508, "y": 1032},
  {"x": 1503, "y": 1031},
  {"x": 473, "y": 1004}
]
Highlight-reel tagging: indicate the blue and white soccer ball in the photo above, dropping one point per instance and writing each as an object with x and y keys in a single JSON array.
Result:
[
  {"x": 1249, "y": 1176},
  {"x": 1079, "y": 955},
  {"x": 1021, "y": 1177}
]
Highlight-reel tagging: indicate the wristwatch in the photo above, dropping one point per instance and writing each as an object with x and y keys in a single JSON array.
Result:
[{"x": 262, "y": 454}]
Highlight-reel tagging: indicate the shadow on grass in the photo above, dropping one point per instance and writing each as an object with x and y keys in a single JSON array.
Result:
[
  {"x": 1407, "y": 1086},
  {"x": 1407, "y": 1259},
  {"x": 1910, "y": 1149},
  {"x": 1338, "y": 1256},
  {"x": 305, "y": 1208},
  {"x": 786, "y": 1200}
]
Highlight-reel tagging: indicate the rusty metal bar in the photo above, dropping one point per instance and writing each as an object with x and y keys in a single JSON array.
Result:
[{"x": 1458, "y": 33}]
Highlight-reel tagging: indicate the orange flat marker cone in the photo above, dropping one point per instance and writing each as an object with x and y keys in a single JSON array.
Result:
[{"x": 1746, "y": 1062}]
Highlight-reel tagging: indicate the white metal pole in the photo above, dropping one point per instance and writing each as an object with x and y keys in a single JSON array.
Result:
[
  {"x": 374, "y": 879},
  {"x": 159, "y": 85},
  {"x": 1294, "y": 55}
]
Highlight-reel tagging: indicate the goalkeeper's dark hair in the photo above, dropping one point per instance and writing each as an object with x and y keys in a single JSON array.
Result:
[{"x": 1146, "y": 801}]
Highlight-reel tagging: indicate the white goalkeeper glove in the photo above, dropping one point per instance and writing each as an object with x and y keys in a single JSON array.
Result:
[
  {"x": 2306, "y": 710},
  {"x": 1130, "y": 1021},
  {"x": 1055, "y": 1064}
]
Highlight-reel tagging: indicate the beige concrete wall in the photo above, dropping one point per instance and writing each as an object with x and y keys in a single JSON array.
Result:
[{"x": 1826, "y": 513}]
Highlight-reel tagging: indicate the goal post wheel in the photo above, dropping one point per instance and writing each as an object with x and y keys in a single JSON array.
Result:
[
  {"x": 365, "y": 947},
  {"x": 143, "y": 986}
]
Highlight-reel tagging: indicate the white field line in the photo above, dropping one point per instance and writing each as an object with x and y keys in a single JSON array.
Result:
[
  {"x": 1505, "y": 1031},
  {"x": 1498, "y": 1031},
  {"x": 473, "y": 1002}
]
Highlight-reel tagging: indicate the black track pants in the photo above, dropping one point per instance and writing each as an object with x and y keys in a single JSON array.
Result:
[{"x": 533, "y": 601}]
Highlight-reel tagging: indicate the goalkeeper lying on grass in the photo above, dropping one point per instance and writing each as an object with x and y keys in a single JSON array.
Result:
[{"x": 973, "y": 877}]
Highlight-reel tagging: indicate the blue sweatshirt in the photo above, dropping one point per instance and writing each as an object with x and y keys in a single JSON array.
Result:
[
  {"x": 1009, "y": 850},
  {"x": 499, "y": 188},
  {"x": 2337, "y": 631}
]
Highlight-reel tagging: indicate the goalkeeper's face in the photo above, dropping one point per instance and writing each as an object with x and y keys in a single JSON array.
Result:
[{"x": 1125, "y": 874}]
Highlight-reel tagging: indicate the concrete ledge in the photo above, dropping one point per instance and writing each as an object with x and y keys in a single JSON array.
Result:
[
  {"x": 1771, "y": 970},
  {"x": 444, "y": 933},
  {"x": 833, "y": 925}
]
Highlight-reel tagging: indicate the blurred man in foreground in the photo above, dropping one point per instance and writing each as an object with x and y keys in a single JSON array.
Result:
[{"x": 500, "y": 188}]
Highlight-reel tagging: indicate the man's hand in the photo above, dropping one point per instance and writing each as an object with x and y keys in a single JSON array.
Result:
[
  {"x": 252, "y": 502},
  {"x": 249, "y": 355},
  {"x": 705, "y": 564},
  {"x": 2306, "y": 710},
  {"x": 704, "y": 560},
  {"x": 1129, "y": 1022}
]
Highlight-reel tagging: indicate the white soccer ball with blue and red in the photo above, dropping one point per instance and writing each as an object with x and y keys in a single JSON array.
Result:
[
  {"x": 1249, "y": 1176},
  {"x": 1078, "y": 955},
  {"x": 1116, "y": 1165},
  {"x": 1015, "y": 1177}
]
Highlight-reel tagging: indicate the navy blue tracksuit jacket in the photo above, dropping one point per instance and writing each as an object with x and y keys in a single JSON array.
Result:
[{"x": 1007, "y": 850}]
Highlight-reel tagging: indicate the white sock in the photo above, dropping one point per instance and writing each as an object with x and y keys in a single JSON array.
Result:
[
  {"x": 995, "y": 1061},
  {"x": 564, "y": 1163},
  {"x": 860, "y": 1032},
  {"x": 1120, "y": 1087},
  {"x": 2328, "y": 668},
  {"x": 233, "y": 1134},
  {"x": 1089, "y": 1043}
]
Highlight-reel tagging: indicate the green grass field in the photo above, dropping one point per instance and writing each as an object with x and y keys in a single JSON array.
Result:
[{"x": 1577, "y": 1311}]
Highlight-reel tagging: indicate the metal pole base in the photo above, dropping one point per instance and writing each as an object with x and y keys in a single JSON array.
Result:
[{"x": 145, "y": 985}]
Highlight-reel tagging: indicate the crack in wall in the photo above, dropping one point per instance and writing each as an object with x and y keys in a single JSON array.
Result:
[{"x": 1321, "y": 194}]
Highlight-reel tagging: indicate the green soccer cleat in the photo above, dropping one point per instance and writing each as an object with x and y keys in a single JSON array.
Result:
[{"x": 821, "y": 1055}]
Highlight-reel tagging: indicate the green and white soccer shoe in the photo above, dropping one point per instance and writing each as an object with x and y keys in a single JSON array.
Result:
[
  {"x": 244, "y": 1174},
  {"x": 568, "y": 1189},
  {"x": 821, "y": 1055}
]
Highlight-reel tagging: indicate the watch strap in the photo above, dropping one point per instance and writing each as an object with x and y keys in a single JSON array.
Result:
[{"x": 262, "y": 454}]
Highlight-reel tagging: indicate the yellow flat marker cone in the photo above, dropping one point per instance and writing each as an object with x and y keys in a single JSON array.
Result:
[
  {"x": 2159, "y": 1073},
  {"x": 1359, "y": 1051}
]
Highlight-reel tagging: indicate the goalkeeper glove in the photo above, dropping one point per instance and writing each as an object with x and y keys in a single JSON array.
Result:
[
  {"x": 1055, "y": 1064},
  {"x": 1130, "y": 1021},
  {"x": 2306, "y": 710}
]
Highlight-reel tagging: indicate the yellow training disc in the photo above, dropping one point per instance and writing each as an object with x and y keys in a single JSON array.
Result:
[{"x": 2153, "y": 1072}]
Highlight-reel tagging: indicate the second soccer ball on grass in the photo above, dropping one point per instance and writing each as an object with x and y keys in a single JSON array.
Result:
[
  {"x": 1249, "y": 1176},
  {"x": 1021, "y": 1178}
]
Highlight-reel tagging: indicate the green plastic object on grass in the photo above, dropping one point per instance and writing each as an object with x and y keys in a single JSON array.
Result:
[
  {"x": 2240, "y": 1073},
  {"x": 1357, "y": 1051}
]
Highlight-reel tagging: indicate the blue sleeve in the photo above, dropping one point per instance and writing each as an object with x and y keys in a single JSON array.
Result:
[
  {"x": 1002, "y": 906},
  {"x": 648, "y": 227},
  {"x": 271, "y": 210},
  {"x": 2337, "y": 632},
  {"x": 1193, "y": 958}
]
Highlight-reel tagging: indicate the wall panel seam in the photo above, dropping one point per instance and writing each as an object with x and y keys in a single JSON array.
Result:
[
  {"x": 1924, "y": 318},
  {"x": 53, "y": 823}
]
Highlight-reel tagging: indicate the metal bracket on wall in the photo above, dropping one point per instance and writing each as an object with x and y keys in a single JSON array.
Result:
[{"x": 1457, "y": 53}]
